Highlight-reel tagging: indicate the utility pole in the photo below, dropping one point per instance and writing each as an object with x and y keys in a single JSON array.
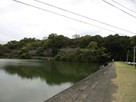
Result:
[
  {"x": 134, "y": 56},
  {"x": 127, "y": 56}
]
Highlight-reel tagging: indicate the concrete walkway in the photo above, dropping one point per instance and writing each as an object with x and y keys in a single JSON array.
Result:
[{"x": 97, "y": 87}]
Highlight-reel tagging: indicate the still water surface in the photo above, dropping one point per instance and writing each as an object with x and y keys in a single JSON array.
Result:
[{"x": 37, "y": 80}]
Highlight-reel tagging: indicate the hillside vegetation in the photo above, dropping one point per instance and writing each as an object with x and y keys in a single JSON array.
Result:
[{"x": 77, "y": 49}]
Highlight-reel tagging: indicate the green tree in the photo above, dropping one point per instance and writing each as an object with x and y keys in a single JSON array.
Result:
[
  {"x": 84, "y": 41},
  {"x": 117, "y": 45},
  {"x": 92, "y": 45}
]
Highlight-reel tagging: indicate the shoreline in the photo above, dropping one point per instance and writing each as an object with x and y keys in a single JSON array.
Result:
[{"x": 81, "y": 90}]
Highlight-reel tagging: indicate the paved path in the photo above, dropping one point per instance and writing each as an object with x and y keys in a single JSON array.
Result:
[{"x": 98, "y": 87}]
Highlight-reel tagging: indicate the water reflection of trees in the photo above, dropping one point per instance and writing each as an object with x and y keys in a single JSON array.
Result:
[{"x": 52, "y": 72}]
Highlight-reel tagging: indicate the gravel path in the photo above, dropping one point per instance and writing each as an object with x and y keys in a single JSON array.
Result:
[{"x": 98, "y": 87}]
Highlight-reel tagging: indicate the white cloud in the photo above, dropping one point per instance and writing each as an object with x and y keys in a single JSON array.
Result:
[{"x": 18, "y": 21}]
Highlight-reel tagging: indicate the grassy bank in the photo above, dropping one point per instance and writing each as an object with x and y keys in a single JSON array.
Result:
[{"x": 126, "y": 80}]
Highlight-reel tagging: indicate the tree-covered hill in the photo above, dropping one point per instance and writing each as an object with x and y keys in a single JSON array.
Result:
[{"x": 77, "y": 49}]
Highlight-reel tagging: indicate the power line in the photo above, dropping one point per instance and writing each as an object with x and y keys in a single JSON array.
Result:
[
  {"x": 123, "y": 6},
  {"x": 71, "y": 17},
  {"x": 100, "y": 4},
  {"x": 63, "y": 16},
  {"x": 119, "y": 8},
  {"x": 83, "y": 16},
  {"x": 132, "y": 1}
]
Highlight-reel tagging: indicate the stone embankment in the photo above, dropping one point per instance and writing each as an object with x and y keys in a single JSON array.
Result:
[{"x": 98, "y": 87}]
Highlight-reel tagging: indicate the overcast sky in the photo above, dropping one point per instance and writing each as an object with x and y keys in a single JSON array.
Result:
[{"x": 18, "y": 21}]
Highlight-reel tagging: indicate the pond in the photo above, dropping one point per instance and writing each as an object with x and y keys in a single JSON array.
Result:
[{"x": 38, "y": 80}]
